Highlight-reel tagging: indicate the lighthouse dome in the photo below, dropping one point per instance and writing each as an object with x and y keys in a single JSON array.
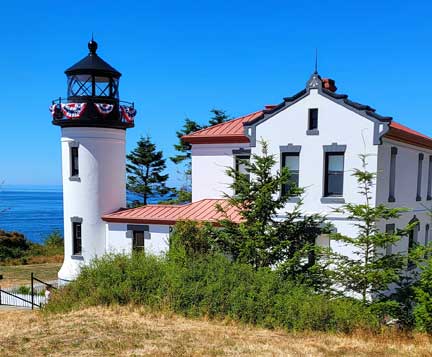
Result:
[
  {"x": 93, "y": 96},
  {"x": 93, "y": 64}
]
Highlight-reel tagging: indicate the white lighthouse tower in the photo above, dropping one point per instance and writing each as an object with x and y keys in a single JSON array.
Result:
[{"x": 93, "y": 129}]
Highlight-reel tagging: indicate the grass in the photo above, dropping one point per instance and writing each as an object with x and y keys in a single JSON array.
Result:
[
  {"x": 16, "y": 275},
  {"x": 127, "y": 331}
]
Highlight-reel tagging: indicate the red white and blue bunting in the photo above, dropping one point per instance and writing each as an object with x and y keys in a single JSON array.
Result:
[
  {"x": 56, "y": 111},
  {"x": 128, "y": 113},
  {"x": 73, "y": 110},
  {"x": 103, "y": 108},
  {"x": 69, "y": 110}
]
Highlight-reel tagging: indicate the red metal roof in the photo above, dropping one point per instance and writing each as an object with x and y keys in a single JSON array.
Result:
[
  {"x": 202, "y": 211},
  {"x": 228, "y": 132},
  {"x": 402, "y": 133}
]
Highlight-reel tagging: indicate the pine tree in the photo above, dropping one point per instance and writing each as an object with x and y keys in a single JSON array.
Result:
[
  {"x": 219, "y": 116},
  {"x": 262, "y": 239},
  {"x": 370, "y": 270},
  {"x": 183, "y": 148},
  {"x": 183, "y": 156},
  {"x": 145, "y": 166}
]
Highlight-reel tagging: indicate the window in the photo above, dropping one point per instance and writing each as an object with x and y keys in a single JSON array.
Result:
[
  {"x": 313, "y": 119},
  {"x": 419, "y": 176},
  {"x": 241, "y": 162},
  {"x": 76, "y": 238},
  {"x": 291, "y": 160},
  {"x": 138, "y": 241},
  {"x": 390, "y": 229},
  {"x": 334, "y": 172},
  {"x": 74, "y": 161},
  {"x": 392, "y": 179},
  {"x": 429, "y": 184}
]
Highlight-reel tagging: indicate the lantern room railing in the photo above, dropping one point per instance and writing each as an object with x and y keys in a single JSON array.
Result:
[{"x": 92, "y": 109}]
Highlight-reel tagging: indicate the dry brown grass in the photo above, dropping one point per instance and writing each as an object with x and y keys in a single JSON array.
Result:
[
  {"x": 126, "y": 331},
  {"x": 20, "y": 274}
]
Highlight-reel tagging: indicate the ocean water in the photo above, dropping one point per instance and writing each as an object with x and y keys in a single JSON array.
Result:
[{"x": 35, "y": 211}]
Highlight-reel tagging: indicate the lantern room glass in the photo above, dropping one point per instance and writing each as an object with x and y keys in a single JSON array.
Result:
[{"x": 85, "y": 85}]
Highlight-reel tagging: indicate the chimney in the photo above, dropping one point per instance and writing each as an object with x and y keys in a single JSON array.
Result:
[{"x": 329, "y": 84}]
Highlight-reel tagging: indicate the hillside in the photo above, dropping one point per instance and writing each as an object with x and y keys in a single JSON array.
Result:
[{"x": 124, "y": 331}]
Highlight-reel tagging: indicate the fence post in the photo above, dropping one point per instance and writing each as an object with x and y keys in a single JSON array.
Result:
[
  {"x": 32, "y": 291},
  {"x": 0, "y": 295}
]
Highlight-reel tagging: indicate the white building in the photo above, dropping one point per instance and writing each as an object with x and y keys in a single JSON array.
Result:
[{"x": 317, "y": 133}]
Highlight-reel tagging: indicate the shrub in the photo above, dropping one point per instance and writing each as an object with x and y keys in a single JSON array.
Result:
[
  {"x": 210, "y": 286},
  {"x": 423, "y": 297},
  {"x": 12, "y": 245},
  {"x": 191, "y": 236}
]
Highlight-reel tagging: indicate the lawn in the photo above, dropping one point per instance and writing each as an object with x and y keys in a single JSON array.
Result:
[
  {"x": 126, "y": 331},
  {"x": 20, "y": 274}
]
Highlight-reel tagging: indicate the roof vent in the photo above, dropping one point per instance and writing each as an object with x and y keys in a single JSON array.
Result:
[{"x": 329, "y": 84}]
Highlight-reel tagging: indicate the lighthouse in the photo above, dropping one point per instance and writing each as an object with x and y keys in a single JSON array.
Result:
[{"x": 93, "y": 124}]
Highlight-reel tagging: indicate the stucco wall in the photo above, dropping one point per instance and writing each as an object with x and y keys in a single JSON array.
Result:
[
  {"x": 336, "y": 124},
  {"x": 209, "y": 164},
  {"x": 405, "y": 186},
  {"x": 100, "y": 189},
  {"x": 119, "y": 239}
]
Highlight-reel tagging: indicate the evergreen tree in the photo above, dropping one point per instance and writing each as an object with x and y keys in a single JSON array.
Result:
[
  {"x": 183, "y": 156},
  {"x": 262, "y": 239},
  {"x": 370, "y": 270},
  {"x": 183, "y": 148},
  {"x": 219, "y": 116},
  {"x": 145, "y": 166},
  {"x": 423, "y": 298}
]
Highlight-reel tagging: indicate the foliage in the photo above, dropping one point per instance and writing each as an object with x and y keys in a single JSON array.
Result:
[
  {"x": 370, "y": 271},
  {"x": 219, "y": 117},
  {"x": 262, "y": 239},
  {"x": 145, "y": 166},
  {"x": 54, "y": 239},
  {"x": 423, "y": 298},
  {"x": 183, "y": 156},
  {"x": 16, "y": 249},
  {"x": 191, "y": 236},
  {"x": 212, "y": 286},
  {"x": 181, "y": 196},
  {"x": 12, "y": 245},
  {"x": 183, "y": 148}
]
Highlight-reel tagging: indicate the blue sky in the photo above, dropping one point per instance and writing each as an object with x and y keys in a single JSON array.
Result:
[{"x": 183, "y": 58}]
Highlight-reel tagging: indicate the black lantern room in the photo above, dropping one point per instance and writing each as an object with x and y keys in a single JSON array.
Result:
[{"x": 93, "y": 96}]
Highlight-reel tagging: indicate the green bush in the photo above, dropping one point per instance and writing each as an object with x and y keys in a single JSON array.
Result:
[
  {"x": 210, "y": 286},
  {"x": 12, "y": 245},
  {"x": 423, "y": 298},
  {"x": 15, "y": 248}
]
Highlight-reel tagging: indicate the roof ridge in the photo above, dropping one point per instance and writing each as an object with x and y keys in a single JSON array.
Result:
[{"x": 220, "y": 124}]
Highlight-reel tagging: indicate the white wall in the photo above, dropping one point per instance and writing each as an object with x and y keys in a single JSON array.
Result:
[
  {"x": 119, "y": 240},
  {"x": 336, "y": 124},
  {"x": 209, "y": 165},
  {"x": 101, "y": 189},
  {"x": 405, "y": 186}
]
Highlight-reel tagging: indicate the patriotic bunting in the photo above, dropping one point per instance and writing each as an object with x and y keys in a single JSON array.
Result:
[
  {"x": 73, "y": 110},
  {"x": 128, "y": 113},
  {"x": 56, "y": 111},
  {"x": 104, "y": 109}
]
